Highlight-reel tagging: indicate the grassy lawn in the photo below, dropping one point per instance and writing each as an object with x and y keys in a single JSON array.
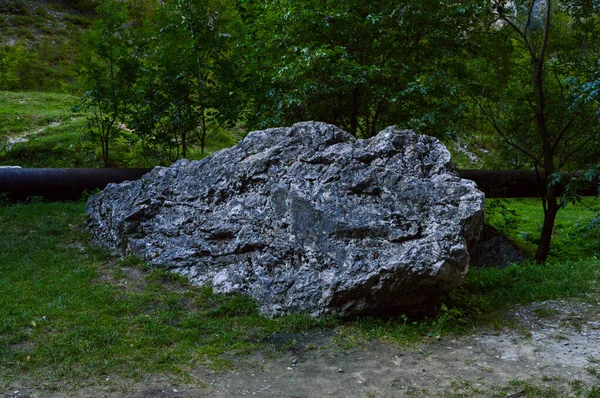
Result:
[
  {"x": 23, "y": 112},
  {"x": 72, "y": 312},
  {"x": 524, "y": 219},
  {"x": 57, "y": 136},
  {"x": 47, "y": 131},
  {"x": 66, "y": 315}
]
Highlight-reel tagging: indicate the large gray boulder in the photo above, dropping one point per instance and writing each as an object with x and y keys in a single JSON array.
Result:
[{"x": 306, "y": 218}]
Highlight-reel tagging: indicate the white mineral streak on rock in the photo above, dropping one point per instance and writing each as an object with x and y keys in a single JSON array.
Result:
[{"x": 306, "y": 218}]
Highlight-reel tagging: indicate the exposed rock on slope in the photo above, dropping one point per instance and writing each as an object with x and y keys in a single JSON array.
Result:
[{"x": 306, "y": 218}]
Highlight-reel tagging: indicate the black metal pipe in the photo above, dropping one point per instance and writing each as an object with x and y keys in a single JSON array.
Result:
[
  {"x": 69, "y": 184},
  {"x": 519, "y": 183},
  {"x": 60, "y": 184},
  {"x": 506, "y": 183}
]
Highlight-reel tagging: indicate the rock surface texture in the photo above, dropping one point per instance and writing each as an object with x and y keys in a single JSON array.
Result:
[
  {"x": 306, "y": 218},
  {"x": 495, "y": 250}
]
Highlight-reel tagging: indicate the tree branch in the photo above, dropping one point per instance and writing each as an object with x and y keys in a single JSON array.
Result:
[
  {"x": 585, "y": 142},
  {"x": 560, "y": 134},
  {"x": 490, "y": 118},
  {"x": 529, "y": 12},
  {"x": 546, "y": 30},
  {"x": 525, "y": 40}
]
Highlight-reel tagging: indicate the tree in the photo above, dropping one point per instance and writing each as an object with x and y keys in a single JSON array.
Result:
[
  {"x": 110, "y": 68},
  {"x": 20, "y": 68},
  {"x": 536, "y": 83},
  {"x": 359, "y": 65},
  {"x": 180, "y": 95}
]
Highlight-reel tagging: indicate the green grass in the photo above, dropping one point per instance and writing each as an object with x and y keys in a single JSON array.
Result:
[
  {"x": 27, "y": 112},
  {"x": 41, "y": 45},
  {"x": 65, "y": 145},
  {"x": 68, "y": 315},
  {"x": 57, "y": 136},
  {"x": 568, "y": 242},
  {"x": 71, "y": 312}
]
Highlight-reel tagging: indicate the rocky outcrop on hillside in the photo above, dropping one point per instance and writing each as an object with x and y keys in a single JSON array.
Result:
[{"x": 304, "y": 219}]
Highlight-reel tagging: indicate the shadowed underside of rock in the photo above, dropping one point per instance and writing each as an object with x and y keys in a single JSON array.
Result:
[{"x": 306, "y": 218}]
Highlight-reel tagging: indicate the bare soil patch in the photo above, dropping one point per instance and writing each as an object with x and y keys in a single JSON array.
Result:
[{"x": 554, "y": 346}]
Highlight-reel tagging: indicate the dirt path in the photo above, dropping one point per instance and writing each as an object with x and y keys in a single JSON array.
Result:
[
  {"x": 25, "y": 136},
  {"x": 553, "y": 350}
]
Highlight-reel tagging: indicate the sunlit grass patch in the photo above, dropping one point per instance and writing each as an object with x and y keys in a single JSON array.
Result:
[
  {"x": 23, "y": 112},
  {"x": 46, "y": 130},
  {"x": 523, "y": 223}
]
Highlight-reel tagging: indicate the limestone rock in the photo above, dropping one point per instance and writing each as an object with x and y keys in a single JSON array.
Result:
[
  {"x": 306, "y": 218},
  {"x": 495, "y": 250}
]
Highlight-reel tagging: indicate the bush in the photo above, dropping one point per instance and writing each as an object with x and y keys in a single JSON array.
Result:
[
  {"x": 20, "y": 68},
  {"x": 84, "y": 6},
  {"x": 41, "y": 11},
  {"x": 19, "y": 7},
  {"x": 499, "y": 214}
]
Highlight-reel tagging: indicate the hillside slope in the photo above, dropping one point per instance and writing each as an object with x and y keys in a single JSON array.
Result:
[{"x": 39, "y": 43}]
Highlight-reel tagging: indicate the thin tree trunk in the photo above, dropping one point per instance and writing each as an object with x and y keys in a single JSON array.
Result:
[
  {"x": 550, "y": 212},
  {"x": 203, "y": 127},
  {"x": 552, "y": 207},
  {"x": 104, "y": 142},
  {"x": 354, "y": 115}
]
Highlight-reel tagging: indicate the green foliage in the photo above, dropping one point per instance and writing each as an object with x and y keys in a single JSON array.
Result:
[
  {"x": 40, "y": 46},
  {"x": 534, "y": 80},
  {"x": 182, "y": 97},
  {"x": 572, "y": 194},
  {"x": 109, "y": 70},
  {"x": 589, "y": 231},
  {"x": 18, "y": 7},
  {"x": 162, "y": 74},
  {"x": 361, "y": 66},
  {"x": 503, "y": 86},
  {"x": 43, "y": 68},
  {"x": 54, "y": 133},
  {"x": 19, "y": 68},
  {"x": 501, "y": 215},
  {"x": 592, "y": 229}
]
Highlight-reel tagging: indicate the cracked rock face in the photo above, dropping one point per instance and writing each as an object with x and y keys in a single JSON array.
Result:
[{"x": 306, "y": 218}]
